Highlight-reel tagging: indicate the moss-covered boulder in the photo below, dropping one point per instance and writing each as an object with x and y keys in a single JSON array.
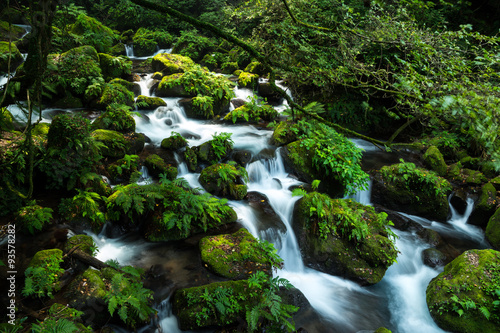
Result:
[
  {"x": 229, "y": 67},
  {"x": 256, "y": 67},
  {"x": 266, "y": 91},
  {"x": 115, "y": 144},
  {"x": 284, "y": 133},
  {"x": 214, "y": 150},
  {"x": 114, "y": 67},
  {"x": 156, "y": 166},
  {"x": 16, "y": 57},
  {"x": 12, "y": 32},
  {"x": 58, "y": 312},
  {"x": 434, "y": 161},
  {"x": 133, "y": 87},
  {"x": 193, "y": 312},
  {"x": 235, "y": 256},
  {"x": 168, "y": 63},
  {"x": 493, "y": 230},
  {"x": 115, "y": 93},
  {"x": 118, "y": 49},
  {"x": 407, "y": 188},
  {"x": 301, "y": 161},
  {"x": 149, "y": 103},
  {"x": 116, "y": 118},
  {"x": 171, "y": 86},
  {"x": 248, "y": 80},
  {"x": 485, "y": 206},
  {"x": 124, "y": 169},
  {"x": 460, "y": 297},
  {"x": 43, "y": 273},
  {"x": 84, "y": 243},
  {"x": 6, "y": 120},
  {"x": 174, "y": 142},
  {"x": 224, "y": 180},
  {"x": 94, "y": 33},
  {"x": 343, "y": 237},
  {"x": 250, "y": 112}
]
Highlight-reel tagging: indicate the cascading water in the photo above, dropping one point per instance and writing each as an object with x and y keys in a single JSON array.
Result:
[{"x": 397, "y": 302}]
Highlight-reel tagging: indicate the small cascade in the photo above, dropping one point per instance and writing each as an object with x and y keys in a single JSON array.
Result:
[
  {"x": 168, "y": 322},
  {"x": 145, "y": 84},
  {"x": 459, "y": 223},
  {"x": 129, "y": 50},
  {"x": 145, "y": 178}
]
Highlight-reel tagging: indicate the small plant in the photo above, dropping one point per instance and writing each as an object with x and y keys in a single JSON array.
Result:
[
  {"x": 205, "y": 104},
  {"x": 43, "y": 274},
  {"x": 52, "y": 325},
  {"x": 33, "y": 217},
  {"x": 220, "y": 144},
  {"x": 84, "y": 204},
  {"x": 129, "y": 298}
]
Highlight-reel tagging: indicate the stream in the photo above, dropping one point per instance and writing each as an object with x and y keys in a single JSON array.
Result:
[{"x": 397, "y": 302}]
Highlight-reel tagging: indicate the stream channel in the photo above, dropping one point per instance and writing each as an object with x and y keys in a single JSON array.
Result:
[{"x": 397, "y": 302}]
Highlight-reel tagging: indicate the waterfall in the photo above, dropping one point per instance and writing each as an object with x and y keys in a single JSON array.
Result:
[{"x": 129, "y": 50}]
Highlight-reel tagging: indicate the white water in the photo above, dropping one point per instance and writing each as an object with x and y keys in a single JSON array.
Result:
[{"x": 398, "y": 302}]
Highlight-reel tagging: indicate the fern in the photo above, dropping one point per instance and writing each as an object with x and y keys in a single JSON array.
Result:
[{"x": 51, "y": 325}]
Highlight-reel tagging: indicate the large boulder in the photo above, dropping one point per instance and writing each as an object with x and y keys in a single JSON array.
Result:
[
  {"x": 116, "y": 118},
  {"x": 462, "y": 298},
  {"x": 168, "y": 63},
  {"x": 434, "y": 161},
  {"x": 404, "y": 187},
  {"x": 343, "y": 237},
  {"x": 485, "y": 206},
  {"x": 114, "y": 67},
  {"x": 114, "y": 143},
  {"x": 149, "y": 103},
  {"x": 251, "y": 112},
  {"x": 224, "y": 180},
  {"x": 235, "y": 256},
  {"x": 16, "y": 57},
  {"x": 493, "y": 230}
]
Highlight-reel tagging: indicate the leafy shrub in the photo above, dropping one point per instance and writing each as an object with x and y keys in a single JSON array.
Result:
[
  {"x": 33, "y": 217},
  {"x": 118, "y": 117},
  {"x": 221, "y": 143},
  {"x": 88, "y": 31},
  {"x": 192, "y": 45},
  {"x": 84, "y": 205}
]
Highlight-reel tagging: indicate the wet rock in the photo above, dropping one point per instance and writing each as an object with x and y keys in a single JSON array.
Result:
[
  {"x": 229, "y": 184},
  {"x": 459, "y": 201},
  {"x": 237, "y": 102},
  {"x": 433, "y": 258},
  {"x": 485, "y": 206},
  {"x": 265, "y": 214},
  {"x": 493, "y": 230},
  {"x": 430, "y": 236},
  {"x": 265, "y": 90},
  {"x": 242, "y": 157}
]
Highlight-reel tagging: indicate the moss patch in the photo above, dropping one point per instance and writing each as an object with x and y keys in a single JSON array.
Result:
[
  {"x": 471, "y": 278},
  {"x": 149, "y": 103},
  {"x": 115, "y": 144},
  {"x": 224, "y": 180},
  {"x": 85, "y": 244},
  {"x": 156, "y": 166},
  {"x": 169, "y": 63},
  {"x": 493, "y": 230}
]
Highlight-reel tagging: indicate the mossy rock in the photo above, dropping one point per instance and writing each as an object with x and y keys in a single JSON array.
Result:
[
  {"x": 231, "y": 187},
  {"x": 115, "y": 118},
  {"x": 229, "y": 67},
  {"x": 13, "y": 32},
  {"x": 300, "y": 159},
  {"x": 170, "y": 86},
  {"x": 123, "y": 169},
  {"x": 85, "y": 244},
  {"x": 60, "y": 311},
  {"x": 114, "y": 67},
  {"x": 473, "y": 177},
  {"x": 404, "y": 187},
  {"x": 492, "y": 232},
  {"x": 350, "y": 239},
  {"x": 234, "y": 256},
  {"x": 133, "y": 87},
  {"x": 191, "y": 158},
  {"x": 209, "y": 61},
  {"x": 248, "y": 80},
  {"x": 266, "y": 91},
  {"x": 93, "y": 182},
  {"x": 206, "y": 152},
  {"x": 16, "y": 57},
  {"x": 471, "y": 277},
  {"x": 174, "y": 142},
  {"x": 41, "y": 129},
  {"x": 115, "y": 144},
  {"x": 149, "y": 103},
  {"x": 157, "y": 76},
  {"x": 256, "y": 67},
  {"x": 187, "y": 310},
  {"x": 248, "y": 113},
  {"x": 6, "y": 120},
  {"x": 118, "y": 49},
  {"x": 434, "y": 161},
  {"x": 156, "y": 166},
  {"x": 485, "y": 206},
  {"x": 85, "y": 25},
  {"x": 41, "y": 257},
  {"x": 169, "y": 63},
  {"x": 115, "y": 93},
  {"x": 433, "y": 258},
  {"x": 69, "y": 102},
  {"x": 284, "y": 133}
]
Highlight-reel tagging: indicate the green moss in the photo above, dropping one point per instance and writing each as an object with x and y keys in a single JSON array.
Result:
[
  {"x": 156, "y": 166},
  {"x": 93, "y": 33},
  {"x": 118, "y": 50},
  {"x": 472, "y": 277},
  {"x": 234, "y": 256},
  {"x": 16, "y": 59},
  {"x": 284, "y": 133},
  {"x": 149, "y": 103},
  {"x": 41, "y": 257},
  {"x": 229, "y": 67},
  {"x": 13, "y": 31},
  {"x": 174, "y": 142},
  {"x": 85, "y": 244},
  {"x": 191, "y": 158},
  {"x": 6, "y": 120},
  {"x": 116, "y": 118},
  {"x": 493, "y": 230},
  {"x": 171, "y": 86},
  {"x": 115, "y": 144},
  {"x": 114, "y": 67},
  {"x": 405, "y": 185},
  {"x": 255, "y": 67},
  {"x": 251, "y": 113},
  {"x": 116, "y": 93},
  {"x": 473, "y": 177},
  {"x": 248, "y": 80},
  {"x": 187, "y": 312},
  {"x": 224, "y": 180},
  {"x": 349, "y": 239},
  {"x": 168, "y": 63},
  {"x": 435, "y": 161},
  {"x": 41, "y": 129},
  {"x": 382, "y": 330}
]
